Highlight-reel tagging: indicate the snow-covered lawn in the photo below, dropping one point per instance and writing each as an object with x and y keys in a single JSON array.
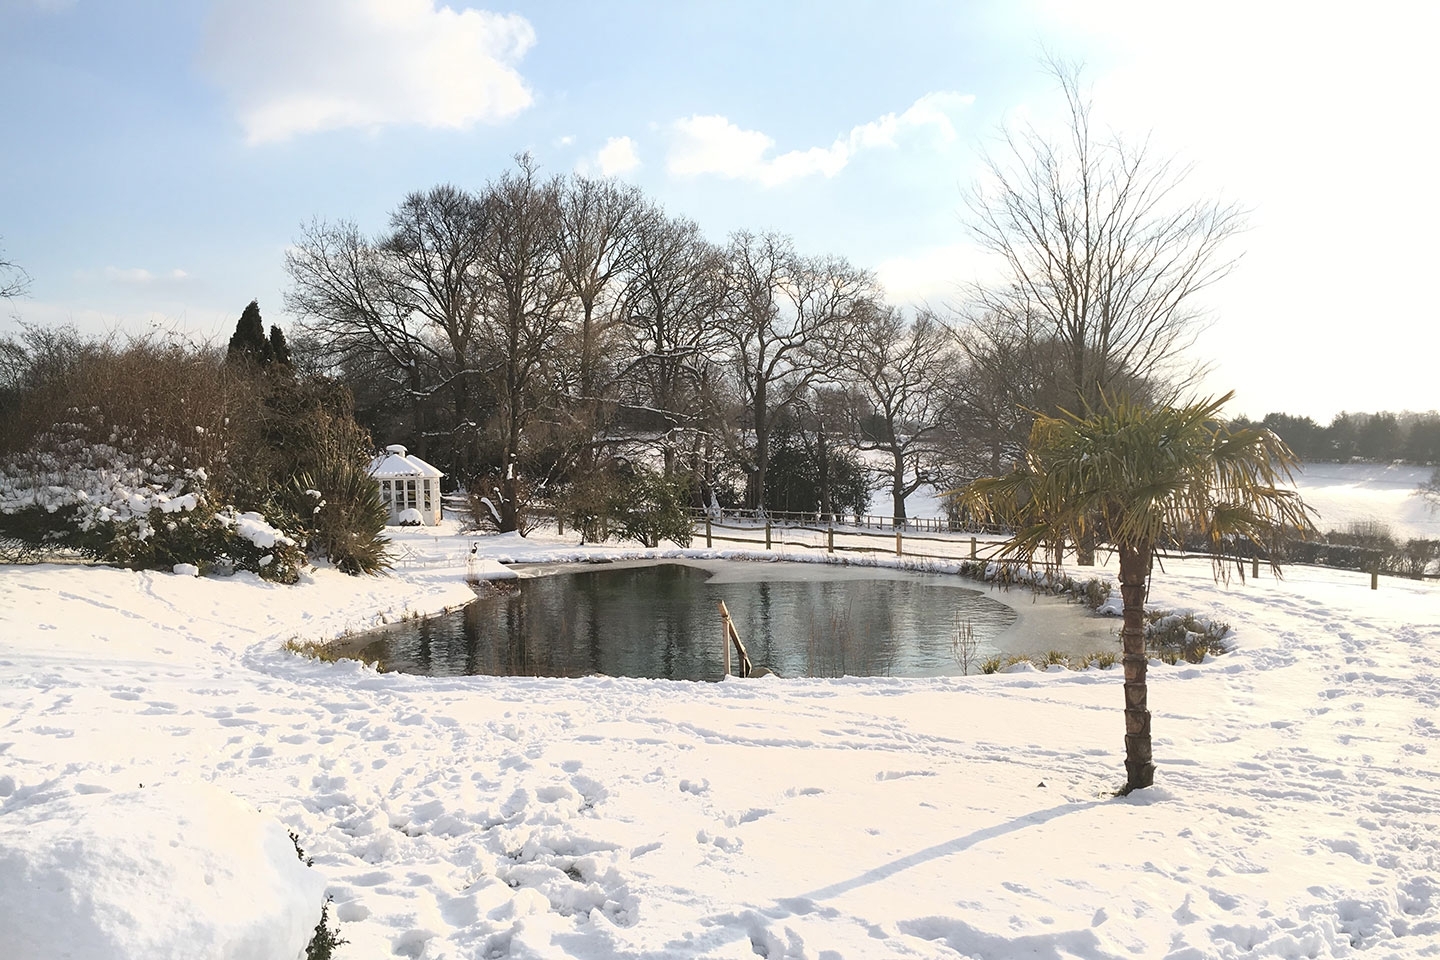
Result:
[{"x": 1296, "y": 811}]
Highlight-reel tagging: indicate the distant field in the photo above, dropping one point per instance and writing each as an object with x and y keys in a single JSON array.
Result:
[
  {"x": 1346, "y": 493},
  {"x": 1340, "y": 494}
]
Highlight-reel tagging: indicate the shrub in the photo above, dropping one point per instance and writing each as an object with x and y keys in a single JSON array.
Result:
[
  {"x": 655, "y": 508},
  {"x": 1413, "y": 559},
  {"x": 1093, "y": 592},
  {"x": 486, "y": 499},
  {"x": 324, "y": 941},
  {"x": 339, "y": 509},
  {"x": 1174, "y": 637},
  {"x": 322, "y": 945},
  {"x": 104, "y": 492},
  {"x": 150, "y": 454}
]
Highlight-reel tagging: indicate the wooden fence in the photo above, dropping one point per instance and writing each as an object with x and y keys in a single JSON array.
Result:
[{"x": 902, "y": 539}]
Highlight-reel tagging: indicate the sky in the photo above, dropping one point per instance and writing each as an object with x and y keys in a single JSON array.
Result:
[{"x": 158, "y": 157}]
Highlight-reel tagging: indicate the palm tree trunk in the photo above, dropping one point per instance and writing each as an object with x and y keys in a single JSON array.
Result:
[{"x": 1134, "y": 569}]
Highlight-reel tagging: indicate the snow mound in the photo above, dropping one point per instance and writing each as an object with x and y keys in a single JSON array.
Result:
[
  {"x": 172, "y": 871},
  {"x": 409, "y": 517}
]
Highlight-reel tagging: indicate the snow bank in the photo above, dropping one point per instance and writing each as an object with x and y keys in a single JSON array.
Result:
[{"x": 170, "y": 872}]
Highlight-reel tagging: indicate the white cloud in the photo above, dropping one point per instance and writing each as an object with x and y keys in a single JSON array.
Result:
[
  {"x": 936, "y": 276},
  {"x": 617, "y": 156},
  {"x": 713, "y": 145},
  {"x": 299, "y": 66},
  {"x": 138, "y": 276}
]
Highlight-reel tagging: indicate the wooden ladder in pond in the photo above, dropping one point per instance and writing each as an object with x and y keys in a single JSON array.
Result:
[{"x": 733, "y": 636}]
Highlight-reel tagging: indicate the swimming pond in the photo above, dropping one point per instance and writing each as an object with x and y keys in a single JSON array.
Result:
[{"x": 661, "y": 620}]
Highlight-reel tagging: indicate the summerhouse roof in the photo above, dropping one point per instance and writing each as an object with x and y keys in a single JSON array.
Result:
[{"x": 395, "y": 462}]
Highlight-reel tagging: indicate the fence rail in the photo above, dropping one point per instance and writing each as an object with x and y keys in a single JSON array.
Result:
[
  {"x": 847, "y": 521},
  {"x": 772, "y": 535},
  {"x": 764, "y": 532}
]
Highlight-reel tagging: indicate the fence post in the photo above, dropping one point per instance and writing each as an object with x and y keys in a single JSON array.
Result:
[
  {"x": 1255, "y": 567},
  {"x": 767, "y": 534},
  {"x": 1375, "y": 577},
  {"x": 899, "y": 547},
  {"x": 559, "y": 525},
  {"x": 830, "y": 539},
  {"x": 973, "y": 544},
  {"x": 708, "y": 544}
]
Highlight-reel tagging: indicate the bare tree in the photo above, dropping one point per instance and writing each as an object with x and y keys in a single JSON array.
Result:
[
  {"x": 526, "y": 313},
  {"x": 14, "y": 281},
  {"x": 1102, "y": 251},
  {"x": 346, "y": 288},
  {"x": 894, "y": 367},
  {"x": 783, "y": 314},
  {"x": 674, "y": 292},
  {"x": 598, "y": 224},
  {"x": 1005, "y": 371},
  {"x": 434, "y": 257},
  {"x": 1430, "y": 490}
]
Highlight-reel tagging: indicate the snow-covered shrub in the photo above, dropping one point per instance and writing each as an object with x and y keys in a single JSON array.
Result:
[
  {"x": 1173, "y": 637},
  {"x": 149, "y": 454},
  {"x": 103, "y": 492},
  {"x": 306, "y": 461}
]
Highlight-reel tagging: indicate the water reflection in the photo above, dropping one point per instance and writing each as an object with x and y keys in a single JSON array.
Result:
[{"x": 662, "y": 621}]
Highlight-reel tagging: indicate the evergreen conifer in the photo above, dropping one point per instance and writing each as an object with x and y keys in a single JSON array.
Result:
[
  {"x": 248, "y": 344},
  {"x": 279, "y": 349}
]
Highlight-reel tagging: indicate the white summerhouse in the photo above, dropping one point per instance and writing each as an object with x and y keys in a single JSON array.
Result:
[{"x": 407, "y": 484}]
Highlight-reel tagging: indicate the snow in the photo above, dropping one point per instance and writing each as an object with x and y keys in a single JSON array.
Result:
[
  {"x": 216, "y": 879},
  {"x": 1296, "y": 811},
  {"x": 253, "y": 527}
]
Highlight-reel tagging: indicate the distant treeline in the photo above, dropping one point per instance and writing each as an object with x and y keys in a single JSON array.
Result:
[{"x": 1376, "y": 437}]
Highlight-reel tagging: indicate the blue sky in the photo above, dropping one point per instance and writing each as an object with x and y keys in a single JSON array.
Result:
[{"x": 157, "y": 156}]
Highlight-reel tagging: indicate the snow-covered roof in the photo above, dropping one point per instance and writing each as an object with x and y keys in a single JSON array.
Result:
[{"x": 395, "y": 462}]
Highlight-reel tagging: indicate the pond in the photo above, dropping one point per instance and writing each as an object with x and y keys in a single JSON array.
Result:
[{"x": 661, "y": 620}]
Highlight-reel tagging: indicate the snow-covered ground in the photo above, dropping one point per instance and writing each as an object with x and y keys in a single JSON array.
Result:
[
  {"x": 1296, "y": 811},
  {"x": 1343, "y": 494}
]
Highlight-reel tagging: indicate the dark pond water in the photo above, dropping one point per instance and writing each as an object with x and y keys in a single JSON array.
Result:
[{"x": 661, "y": 620}]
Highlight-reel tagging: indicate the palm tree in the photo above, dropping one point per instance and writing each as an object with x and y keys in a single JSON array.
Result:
[{"x": 1139, "y": 477}]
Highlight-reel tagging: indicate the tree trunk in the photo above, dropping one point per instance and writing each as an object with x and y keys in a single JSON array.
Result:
[
  {"x": 1139, "y": 767},
  {"x": 897, "y": 485},
  {"x": 824, "y": 509},
  {"x": 756, "y": 491}
]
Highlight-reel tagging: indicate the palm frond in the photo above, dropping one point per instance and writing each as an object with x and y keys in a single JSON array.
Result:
[{"x": 1140, "y": 476}]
